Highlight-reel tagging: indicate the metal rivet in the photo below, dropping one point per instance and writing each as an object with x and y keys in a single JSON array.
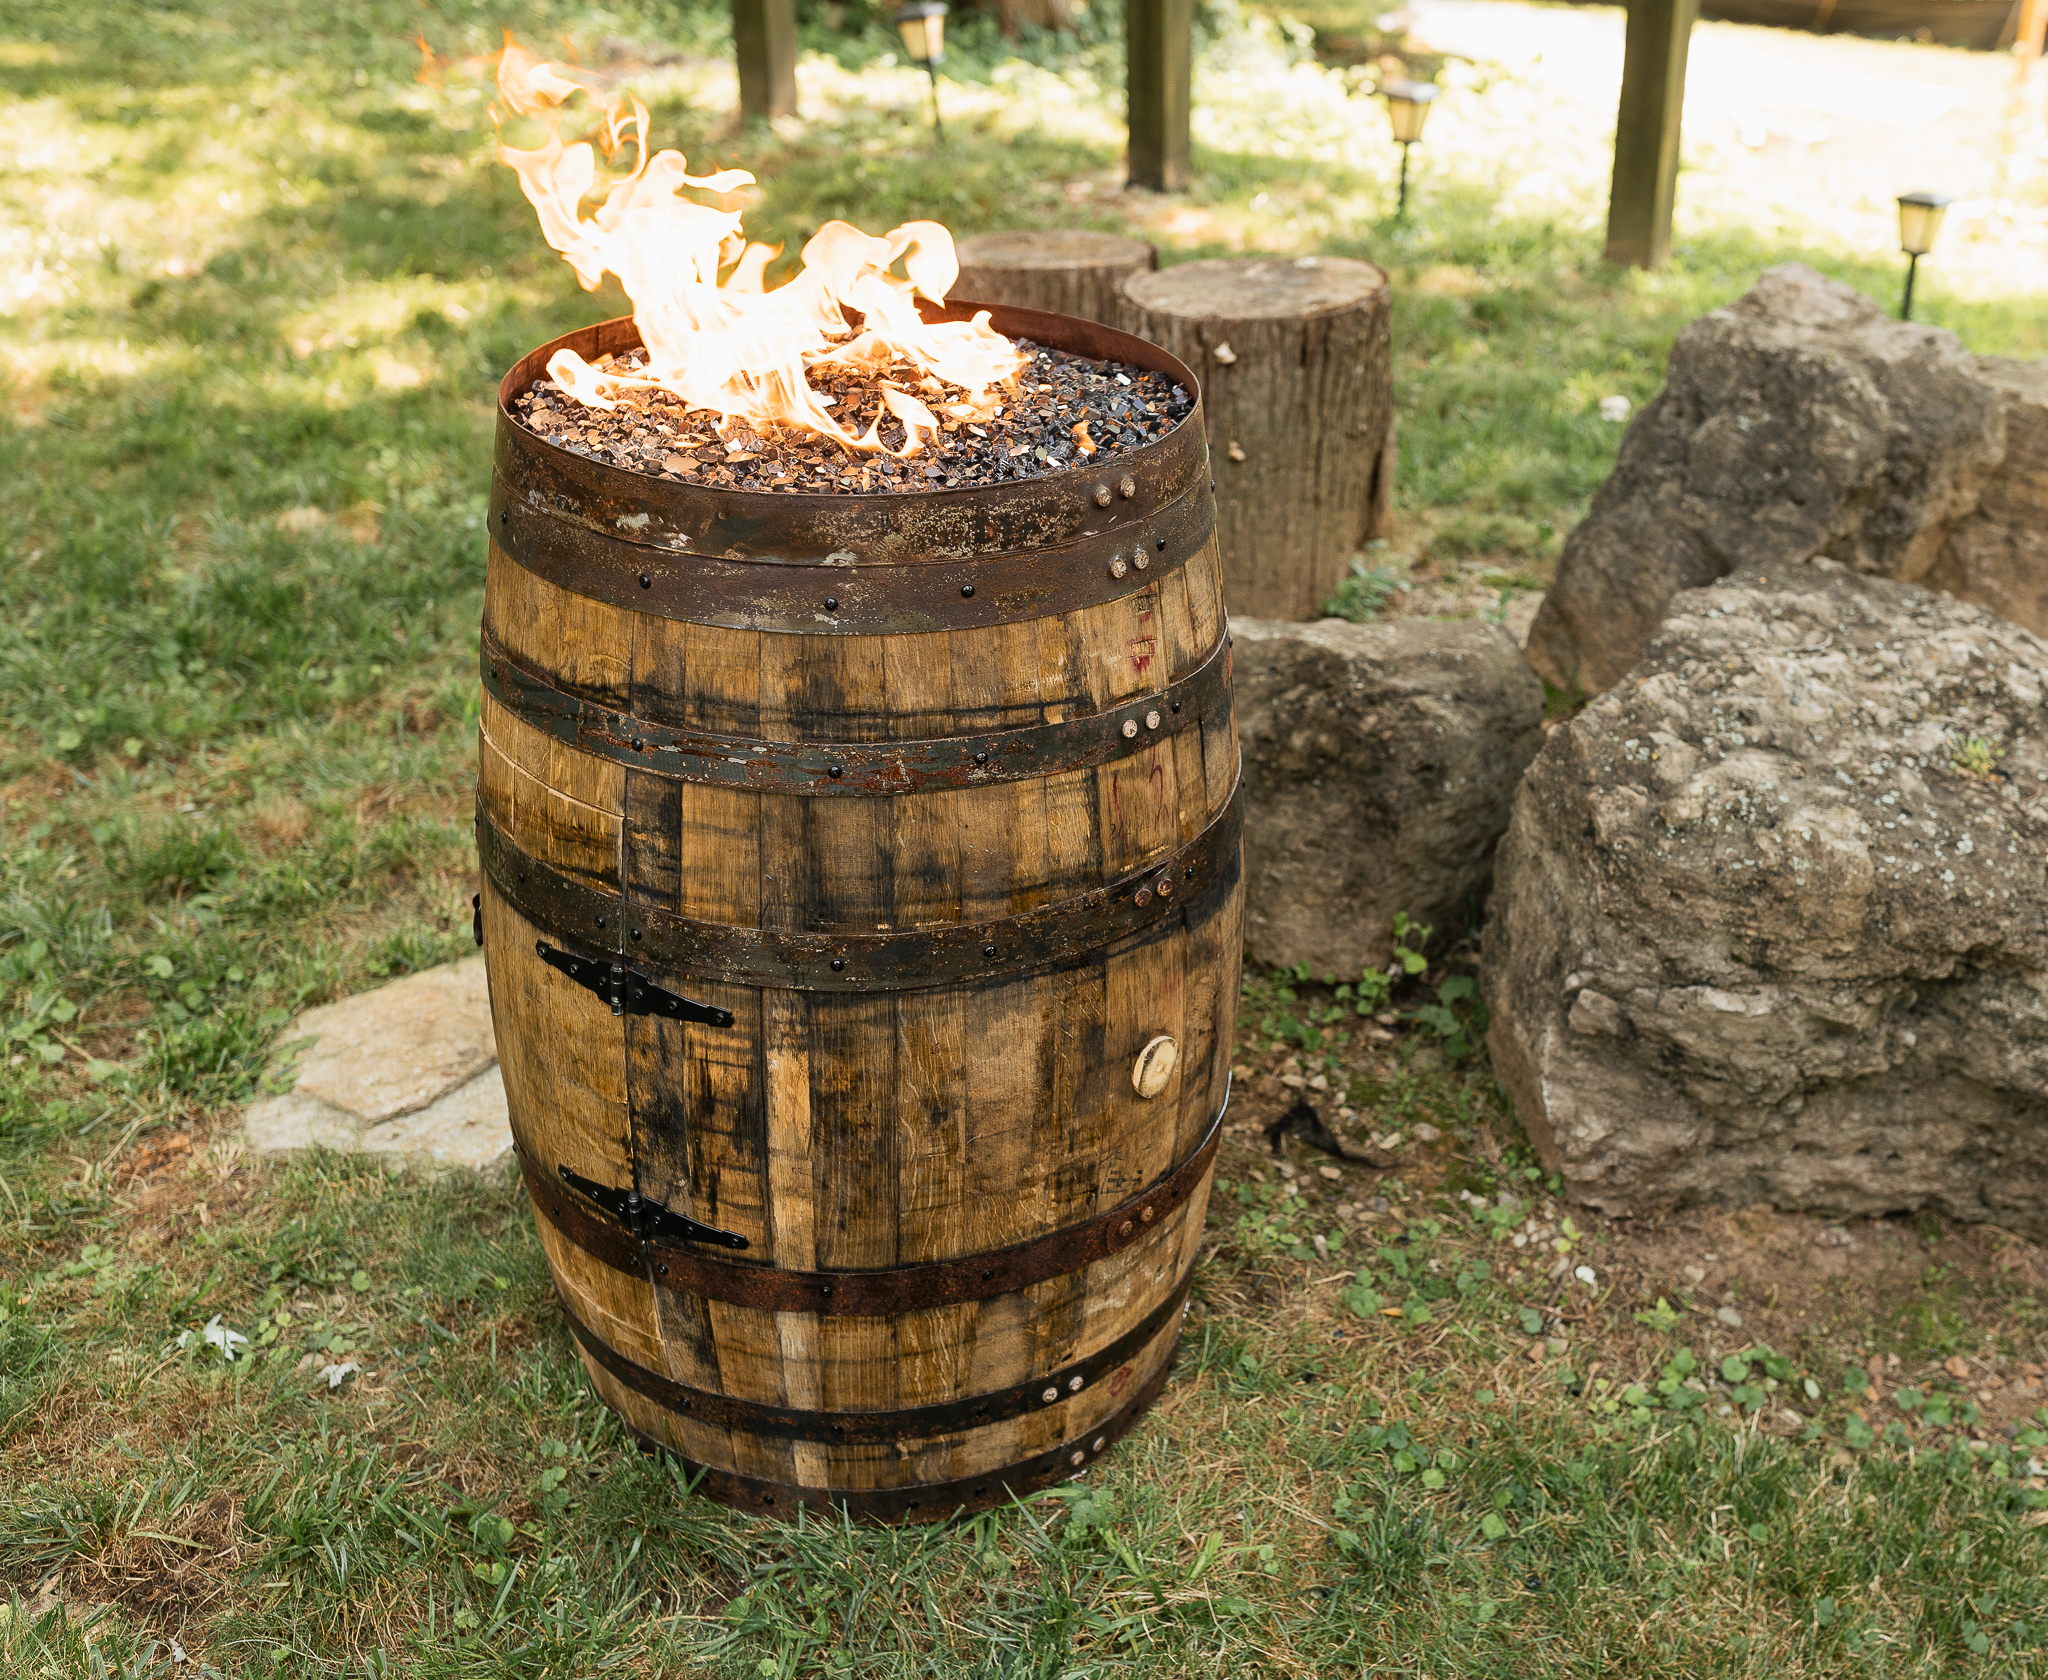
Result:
[
  {"x": 826, "y": 1290},
  {"x": 1161, "y": 545},
  {"x": 1074, "y": 1384},
  {"x": 1102, "y": 495},
  {"x": 1125, "y": 1229},
  {"x": 504, "y": 516},
  {"x": 1118, "y": 566},
  {"x": 600, "y": 921},
  {"x": 1176, "y": 707},
  {"x": 967, "y": 591},
  {"x": 1130, "y": 729},
  {"x": 522, "y": 875},
  {"x": 981, "y": 758},
  {"x": 1050, "y": 1395},
  {"x": 1151, "y": 720},
  {"x": 1142, "y": 897},
  {"x": 1142, "y": 558},
  {"x": 1128, "y": 485},
  {"x": 1100, "y": 1443},
  {"x": 838, "y": 963},
  {"x": 839, "y": 1429},
  {"x": 1078, "y": 1460},
  {"x": 988, "y": 951},
  {"x": 1145, "y": 1214},
  {"x": 636, "y": 934},
  {"x": 639, "y": 745},
  {"x": 831, "y": 603},
  {"x": 646, "y": 582},
  {"x": 661, "y": 1271},
  {"x": 1165, "y": 887},
  {"x": 988, "y": 1273},
  {"x": 836, "y": 771}
]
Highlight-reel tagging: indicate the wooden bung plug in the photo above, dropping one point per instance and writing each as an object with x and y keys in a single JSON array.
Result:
[
  {"x": 1296, "y": 364},
  {"x": 1056, "y": 269}
]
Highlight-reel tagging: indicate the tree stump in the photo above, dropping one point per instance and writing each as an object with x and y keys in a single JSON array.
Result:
[
  {"x": 1057, "y": 269},
  {"x": 1296, "y": 364}
]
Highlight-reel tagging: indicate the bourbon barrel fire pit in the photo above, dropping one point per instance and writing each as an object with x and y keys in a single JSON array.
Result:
[{"x": 863, "y": 906}]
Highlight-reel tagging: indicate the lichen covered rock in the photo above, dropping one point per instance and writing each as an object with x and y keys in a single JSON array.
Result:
[
  {"x": 1800, "y": 421},
  {"x": 1771, "y": 919}
]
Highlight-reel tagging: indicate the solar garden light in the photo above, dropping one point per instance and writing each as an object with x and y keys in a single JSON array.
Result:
[
  {"x": 1408, "y": 107},
  {"x": 1919, "y": 221},
  {"x": 923, "y": 27}
]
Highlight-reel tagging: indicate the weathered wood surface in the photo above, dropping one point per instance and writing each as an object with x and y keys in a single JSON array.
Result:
[
  {"x": 1646, "y": 136},
  {"x": 1159, "y": 84},
  {"x": 1295, "y": 357},
  {"x": 1064, "y": 270},
  {"x": 764, "y": 50},
  {"x": 846, "y": 1131}
]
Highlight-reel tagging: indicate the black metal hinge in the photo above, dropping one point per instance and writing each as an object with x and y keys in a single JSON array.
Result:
[
  {"x": 627, "y": 992},
  {"x": 648, "y": 1220}
]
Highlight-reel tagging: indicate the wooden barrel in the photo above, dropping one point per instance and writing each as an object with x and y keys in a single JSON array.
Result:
[{"x": 863, "y": 905}]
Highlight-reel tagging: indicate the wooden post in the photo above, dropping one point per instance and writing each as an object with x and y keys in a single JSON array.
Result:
[
  {"x": 2030, "y": 33},
  {"x": 1296, "y": 363},
  {"x": 1159, "y": 41},
  {"x": 1646, "y": 131},
  {"x": 1058, "y": 269},
  {"x": 764, "y": 42}
]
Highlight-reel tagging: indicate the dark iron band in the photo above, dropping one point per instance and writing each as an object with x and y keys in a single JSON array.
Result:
[
  {"x": 929, "y": 1501},
  {"x": 1062, "y": 935},
  {"x": 1092, "y": 497},
  {"x": 881, "y": 1292},
  {"x": 859, "y": 767},
  {"x": 749, "y": 591},
  {"x": 788, "y": 1423}
]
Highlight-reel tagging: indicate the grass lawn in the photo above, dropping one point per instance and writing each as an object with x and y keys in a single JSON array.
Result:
[{"x": 257, "y": 282}]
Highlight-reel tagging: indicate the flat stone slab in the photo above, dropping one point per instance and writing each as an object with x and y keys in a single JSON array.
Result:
[{"x": 408, "y": 1072}]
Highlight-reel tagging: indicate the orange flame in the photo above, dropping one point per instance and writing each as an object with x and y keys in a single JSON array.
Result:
[{"x": 735, "y": 347}]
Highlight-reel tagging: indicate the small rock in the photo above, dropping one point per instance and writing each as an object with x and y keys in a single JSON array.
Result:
[
  {"x": 1294, "y": 1081},
  {"x": 1235, "y": 451},
  {"x": 1426, "y": 1133},
  {"x": 1378, "y": 1204},
  {"x": 1330, "y": 1173},
  {"x": 1693, "y": 1274},
  {"x": 1955, "y": 1367},
  {"x": 1833, "y": 1236},
  {"x": 1391, "y": 1141},
  {"x": 1380, "y": 763},
  {"x": 407, "y": 1072},
  {"x": 1322, "y": 1246},
  {"x": 1730, "y": 1317},
  {"x": 1614, "y": 410},
  {"x": 1321, "y": 1082}
]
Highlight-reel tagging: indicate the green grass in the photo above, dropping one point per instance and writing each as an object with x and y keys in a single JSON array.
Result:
[{"x": 245, "y": 434}]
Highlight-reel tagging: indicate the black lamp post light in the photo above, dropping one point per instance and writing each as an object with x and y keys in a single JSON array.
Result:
[
  {"x": 1408, "y": 109},
  {"x": 923, "y": 27},
  {"x": 1919, "y": 221}
]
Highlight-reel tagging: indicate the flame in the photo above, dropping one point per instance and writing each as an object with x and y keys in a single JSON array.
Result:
[{"x": 735, "y": 347}]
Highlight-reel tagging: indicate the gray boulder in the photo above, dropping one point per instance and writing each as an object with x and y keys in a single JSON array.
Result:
[
  {"x": 1999, "y": 555},
  {"x": 1380, "y": 764},
  {"x": 1800, "y": 421},
  {"x": 1772, "y": 916}
]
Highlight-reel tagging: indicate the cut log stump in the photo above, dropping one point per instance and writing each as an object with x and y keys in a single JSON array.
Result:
[
  {"x": 1058, "y": 269},
  {"x": 1296, "y": 364}
]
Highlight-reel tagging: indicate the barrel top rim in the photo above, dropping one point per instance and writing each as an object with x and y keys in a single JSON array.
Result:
[
  {"x": 1070, "y": 334},
  {"x": 1318, "y": 286}
]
